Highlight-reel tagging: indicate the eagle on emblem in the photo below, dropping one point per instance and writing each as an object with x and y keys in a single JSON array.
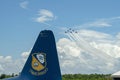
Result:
[{"x": 38, "y": 61}]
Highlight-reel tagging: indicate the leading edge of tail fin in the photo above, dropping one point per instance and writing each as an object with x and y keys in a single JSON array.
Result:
[{"x": 43, "y": 63}]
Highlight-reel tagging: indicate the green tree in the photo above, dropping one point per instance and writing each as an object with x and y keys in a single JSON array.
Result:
[{"x": 2, "y": 76}]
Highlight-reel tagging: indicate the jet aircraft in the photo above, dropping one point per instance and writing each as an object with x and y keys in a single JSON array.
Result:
[
  {"x": 71, "y": 31},
  {"x": 42, "y": 63}
]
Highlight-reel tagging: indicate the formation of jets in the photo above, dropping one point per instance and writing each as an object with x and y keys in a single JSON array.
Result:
[{"x": 71, "y": 31}]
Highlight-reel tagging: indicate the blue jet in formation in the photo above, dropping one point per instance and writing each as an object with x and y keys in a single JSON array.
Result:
[{"x": 42, "y": 63}]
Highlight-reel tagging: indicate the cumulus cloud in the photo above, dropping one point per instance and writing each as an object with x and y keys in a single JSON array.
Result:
[
  {"x": 8, "y": 65},
  {"x": 44, "y": 16},
  {"x": 24, "y": 4},
  {"x": 118, "y": 36},
  {"x": 88, "y": 52},
  {"x": 98, "y": 55},
  {"x": 6, "y": 59},
  {"x": 69, "y": 48},
  {"x": 110, "y": 49},
  {"x": 1, "y": 68},
  {"x": 79, "y": 61},
  {"x": 25, "y": 54}
]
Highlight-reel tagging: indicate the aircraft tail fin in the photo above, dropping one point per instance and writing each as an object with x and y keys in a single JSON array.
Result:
[{"x": 43, "y": 63}]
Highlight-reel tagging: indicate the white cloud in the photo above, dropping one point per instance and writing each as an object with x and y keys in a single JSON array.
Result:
[
  {"x": 89, "y": 52},
  {"x": 100, "y": 24},
  {"x": 70, "y": 48},
  {"x": 103, "y": 22},
  {"x": 24, "y": 4},
  {"x": 6, "y": 59},
  {"x": 95, "y": 52},
  {"x": 118, "y": 36},
  {"x": 77, "y": 61},
  {"x": 25, "y": 54},
  {"x": 1, "y": 68},
  {"x": 114, "y": 18},
  {"x": 44, "y": 16},
  {"x": 8, "y": 65},
  {"x": 97, "y": 23},
  {"x": 97, "y": 35}
]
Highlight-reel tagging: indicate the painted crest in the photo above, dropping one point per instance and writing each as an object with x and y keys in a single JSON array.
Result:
[
  {"x": 41, "y": 58},
  {"x": 39, "y": 63}
]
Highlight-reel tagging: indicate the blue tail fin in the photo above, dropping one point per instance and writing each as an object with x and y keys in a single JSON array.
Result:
[{"x": 42, "y": 63}]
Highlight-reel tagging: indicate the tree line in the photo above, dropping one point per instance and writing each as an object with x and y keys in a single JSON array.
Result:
[
  {"x": 86, "y": 77},
  {"x": 72, "y": 76},
  {"x": 2, "y": 76}
]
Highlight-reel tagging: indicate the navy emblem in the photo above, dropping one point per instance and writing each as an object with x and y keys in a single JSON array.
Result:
[{"x": 38, "y": 63}]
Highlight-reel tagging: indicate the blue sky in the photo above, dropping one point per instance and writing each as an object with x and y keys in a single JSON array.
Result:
[{"x": 19, "y": 26}]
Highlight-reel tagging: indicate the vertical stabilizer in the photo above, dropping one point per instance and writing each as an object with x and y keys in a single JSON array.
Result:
[{"x": 42, "y": 63}]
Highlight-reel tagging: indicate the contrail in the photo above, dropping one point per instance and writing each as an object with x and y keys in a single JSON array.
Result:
[
  {"x": 92, "y": 49},
  {"x": 71, "y": 38},
  {"x": 74, "y": 40},
  {"x": 83, "y": 44}
]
